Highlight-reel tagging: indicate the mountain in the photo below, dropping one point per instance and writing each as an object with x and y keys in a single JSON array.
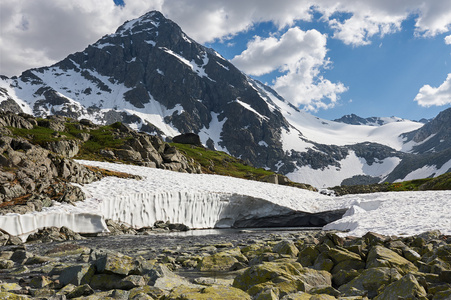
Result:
[
  {"x": 150, "y": 75},
  {"x": 371, "y": 121}
]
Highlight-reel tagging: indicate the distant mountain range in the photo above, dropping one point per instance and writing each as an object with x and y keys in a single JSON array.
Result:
[{"x": 150, "y": 75}]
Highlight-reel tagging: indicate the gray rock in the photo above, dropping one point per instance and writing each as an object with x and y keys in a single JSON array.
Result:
[
  {"x": 77, "y": 275},
  {"x": 116, "y": 264},
  {"x": 80, "y": 291}
]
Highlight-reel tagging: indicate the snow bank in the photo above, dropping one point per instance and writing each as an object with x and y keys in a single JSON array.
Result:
[
  {"x": 396, "y": 213},
  {"x": 78, "y": 221},
  {"x": 207, "y": 201}
]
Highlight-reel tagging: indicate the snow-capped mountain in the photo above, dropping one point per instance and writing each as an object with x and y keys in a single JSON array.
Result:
[
  {"x": 152, "y": 76},
  {"x": 353, "y": 119}
]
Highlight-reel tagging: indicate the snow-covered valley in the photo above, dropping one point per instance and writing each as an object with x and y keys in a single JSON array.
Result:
[{"x": 208, "y": 201}]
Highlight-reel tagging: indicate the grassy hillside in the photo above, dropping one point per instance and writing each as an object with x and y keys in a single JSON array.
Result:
[
  {"x": 217, "y": 162},
  {"x": 442, "y": 182}
]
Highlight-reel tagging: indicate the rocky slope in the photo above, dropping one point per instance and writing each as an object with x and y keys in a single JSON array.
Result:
[
  {"x": 151, "y": 76},
  {"x": 285, "y": 265},
  {"x": 35, "y": 158}
]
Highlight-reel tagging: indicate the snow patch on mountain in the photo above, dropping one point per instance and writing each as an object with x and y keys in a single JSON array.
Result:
[
  {"x": 11, "y": 93},
  {"x": 335, "y": 133},
  {"x": 249, "y": 107},
  {"x": 408, "y": 146},
  {"x": 292, "y": 139},
  {"x": 198, "y": 69},
  {"x": 213, "y": 132},
  {"x": 350, "y": 166},
  {"x": 427, "y": 171}
]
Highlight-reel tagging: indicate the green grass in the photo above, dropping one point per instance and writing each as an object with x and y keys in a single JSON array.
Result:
[
  {"x": 39, "y": 135},
  {"x": 217, "y": 162},
  {"x": 102, "y": 138},
  {"x": 442, "y": 182}
]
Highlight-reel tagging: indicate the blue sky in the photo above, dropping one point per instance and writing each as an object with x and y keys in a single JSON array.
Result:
[
  {"x": 382, "y": 78},
  {"x": 371, "y": 58}
]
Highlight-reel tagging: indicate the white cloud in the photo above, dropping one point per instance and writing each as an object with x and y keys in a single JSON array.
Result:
[
  {"x": 300, "y": 55},
  {"x": 430, "y": 96},
  {"x": 34, "y": 33},
  {"x": 39, "y": 33},
  {"x": 263, "y": 56},
  {"x": 448, "y": 40}
]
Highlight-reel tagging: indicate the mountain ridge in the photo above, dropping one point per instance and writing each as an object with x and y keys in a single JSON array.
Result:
[{"x": 150, "y": 75}]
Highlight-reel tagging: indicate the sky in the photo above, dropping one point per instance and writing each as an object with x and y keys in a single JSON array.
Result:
[{"x": 329, "y": 57}]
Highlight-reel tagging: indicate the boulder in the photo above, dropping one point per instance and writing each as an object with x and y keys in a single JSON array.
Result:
[
  {"x": 298, "y": 296},
  {"x": 12, "y": 296},
  {"x": 111, "y": 263},
  {"x": 150, "y": 291},
  {"x": 130, "y": 282},
  {"x": 105, "y": 282},
  {"x": 286, "y": 247},
  {"x": 80, "y": 291},
  {"x": 340, "y": 254},
  {"x": 405, "y": 288},
  {"x": 267, "y": 271},
  {"x": 380, "y": 256},
  {"x": 161, "y": 277},
  {"x": 285, "y": 275},
  {"x": 77, "y": 275},
  {"x": 188, "y": 138},
  {"x": 214, "y": 292},
  {"x": 217, "y": 262},
  {"x": 369, "y": 282},
  {"x": 442, "y": 295}
]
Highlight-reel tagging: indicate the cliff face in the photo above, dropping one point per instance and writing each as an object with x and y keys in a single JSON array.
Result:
[{"x": 150, "y": 75}]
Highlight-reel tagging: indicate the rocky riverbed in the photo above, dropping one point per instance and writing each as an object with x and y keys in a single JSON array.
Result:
[{"x": 227, "y": 264}]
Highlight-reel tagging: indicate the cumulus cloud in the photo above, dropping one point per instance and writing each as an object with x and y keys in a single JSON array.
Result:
[
  {"x": 40, "y": 32},
  {"x": 300, "y": 56},
  {"x": 430, "y": 96},
  {"x": 448, "y": 40}
]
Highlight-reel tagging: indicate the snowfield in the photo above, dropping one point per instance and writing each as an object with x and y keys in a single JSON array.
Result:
[{"x": 207, "y": 201}]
